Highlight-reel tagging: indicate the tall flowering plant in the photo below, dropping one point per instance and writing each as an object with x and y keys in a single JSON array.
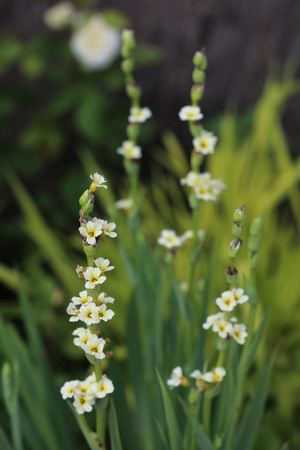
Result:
[{"x": 92, "y": 309}]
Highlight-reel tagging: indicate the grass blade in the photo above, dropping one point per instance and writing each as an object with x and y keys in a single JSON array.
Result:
[{"x": 115, "y": 439}]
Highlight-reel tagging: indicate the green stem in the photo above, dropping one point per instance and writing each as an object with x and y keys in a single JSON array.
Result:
[
  {"x": 206, "y": 414},
  {"x": 100, "y": 427},
  {"x": 134, "y": 184},
  {"x": 98, "y": 372},
  {"x": 221, "y": 358},
  {"x": 90, "y": 261},
  {"x": 193, "y": 261}
]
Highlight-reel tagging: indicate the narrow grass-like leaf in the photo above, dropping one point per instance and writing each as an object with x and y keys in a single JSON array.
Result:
[
  {"x": 172, "y": 425},
  {"x": 250, "y": 291},
  {"x": 203, "y": 441},
  {"x": 162, "y": 434},
  {"x": 247, "y": 357},
  {"x": 80, "y": 419},
  {"x": 4, "y": 442},
  {"x": 178, "y": 295},
  {"x": 115, "y": 439},
  {"x": 256, "y": 408}
]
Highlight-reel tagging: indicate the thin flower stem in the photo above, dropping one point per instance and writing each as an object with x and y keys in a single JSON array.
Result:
[
  {"x": 100, "y": 426},
  {"x": 206, "y": 414},
  {"x": 221, "y": 358},
  {"x": 193, "y": 261},
  {"x": 134, "y": 185},
  {"x": 90, "y": 261},
  {"x": 98, "y": 372}
]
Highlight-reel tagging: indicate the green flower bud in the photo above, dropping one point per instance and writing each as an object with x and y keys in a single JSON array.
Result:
[
  {"x": 234, "y": 248},
  {"x": 196, "y": 160},
  {"x": 133, "y": 131},
  {"x": 197, "y": 92},
  {"x": 193, "y": 396},
  {"x": 204, "y": 63},
  {"x": 127, "y": 65},
  {"x": 232, "y": 275},
  {"x": 125, "y": 52},
  {"x": 195, "y": 129},
  {"x": 84, "y": 198},
  {"x": 254, "y": 243},
  {"x": 198, "y": 59},
  {"x": 256, "y": 227},
  {"x": 89, "y": 206},
  {"x": 133, "y": 91},
  {"x": 90, "y": 250},
  {"x": 128, "y": 39},
  {"x": 131, "y": 167},
  {"x": 237, "y": 231},
  {"x": 239, "y": 216},
  {"x": 198, "y": 76}
]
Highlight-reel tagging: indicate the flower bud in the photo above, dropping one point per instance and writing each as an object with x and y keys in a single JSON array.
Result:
[
  {"x": 125, "y": 51},
  {"x": 127, "y": 65},
  {"x": 84, "y": 198},
  {"x": 195, "y": 129},
  {"x": 237, "y": 230},
  {"x": 197, "y": 92},
  {"x": 254, "y": 243},
  {"x": 128, "y": 39},
  {"x": 193, "y": 396},
  {"x": 232, "y": 275},
  {"x": 89, "y": 206},
  {"x": 90, "y": 250},
  {"x": 198, "y": 76},
  {"x": 198, "y": 59},
  {"x": 234, "y": 248},
  {"x": 133, "y": 91},
  {"x": 133, "y": 131},
  {"x": 239, "y": 216},
  {"x": 256, "y": 227},
  {"x": 109, "y": 354},
  {"x": 107, "y": 341}
]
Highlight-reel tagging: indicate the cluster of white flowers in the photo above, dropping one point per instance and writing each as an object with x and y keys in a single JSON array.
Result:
[
  {"x": 221, "y": 324},
  {"x": 94, "y": 43},
  {"x": 203, "y": 186},
  {"x": 214, "y": 376},
  {"x": 90, "y": 306},
  {"x": 85, "y": 393},
  {"x": 171, "y": 241}
]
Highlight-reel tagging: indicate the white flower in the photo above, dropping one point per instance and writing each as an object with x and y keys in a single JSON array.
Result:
[
  {"x": 91, "y": 231},
  {"x": 216, "y": 187},
  {"x": 59, "y": 16},
  {"x": 95, "y": 346},
  {"x": 107, "y": 228},
  {"x": 239, "y": 333},
  {"x": 102, "y": 298},
  {"x": 130, "y": 151},
  {"x": 86, "y": 313},
  {"x": 101, "y": 313},
  {"x": 96, "y": 44},
  {"x": 83, "y": 298},
  {"x": 216, "y": 375},
  {"x": 139, "y": 114},
  {"x": 103, "y": 387},
  {"x": 84, "y": 388},
  {"x": 73, "y": 311},
  {"x": 186, "y": 236},
  {"x": 190, "y": 113},
  {"x": 226, "y": 302},
  {"x": 169, "y": 239},
  {"x": 176, "y": 378},
  {"x": 98, "y": 180},
  {"x": 83, "y": 403},
  {"x": 222, "y": 327},
  {"x": 103, "y": 265},
  {"x": 68, "y": 389},
  {"x": 91, "y": 378},
  {"x": 210, "y": 320},
  {"x": 83, "y": 335},
  {"x": 205, "y": 143},
  {"x": 195, "y": 180},
  {"x": 93, "y": 277},
  {"x": 125, "y": 204},
  {"x": 201, "y": 378},
  {"x": 239, "y": 296}
]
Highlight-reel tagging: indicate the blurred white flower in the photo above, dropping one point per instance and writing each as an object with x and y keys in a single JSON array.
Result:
[
  {"x": 59, "y": 16},
  {"x": 96, "y": 44},
  {"x": 129, "y": 150},
  {"x": 190, "y": 113},
  {"x": 239, "y": 333},
  {"x": 205, "y": 143},
  {"x": 169, "y": 239},
  {"x": 139, "y": 114},
  {"x": 125, "y": 204}
]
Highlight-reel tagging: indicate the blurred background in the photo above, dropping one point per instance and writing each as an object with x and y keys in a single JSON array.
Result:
[{"x": 63, "y": 114}]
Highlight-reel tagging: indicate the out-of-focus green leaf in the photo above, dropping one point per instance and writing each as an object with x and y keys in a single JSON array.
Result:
[
  {"x": 115, "y": 18},
  {"x": 172, "y": 425},
  {"x": 4, "y": 442},
  {"x": 162, "y": 434},
  {"x": 147, "y": 55},
  {"x": 250, "y": 291},
  {"x": 254, "y": 414},
  {"x": 114, "y": 428},
  {"x": 10, "y": 50},
  {"x": 32, "y": 65},
  {"x": 203, "y": 441}
]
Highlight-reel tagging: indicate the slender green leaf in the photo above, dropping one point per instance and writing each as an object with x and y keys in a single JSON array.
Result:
[
  {"x": 178, "y": 295},
  {"x": 203, "y": 441},
  {"x": 162, "y": 434},
  {"x": 172, "y": 425},
  {"x": 115, "y": 439},
  {"x": 249, "y": 352},
  {"x": 254, "y": 414},
  {"x": 4, "y": 442},
  {"x": 80, "y": 419}
]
